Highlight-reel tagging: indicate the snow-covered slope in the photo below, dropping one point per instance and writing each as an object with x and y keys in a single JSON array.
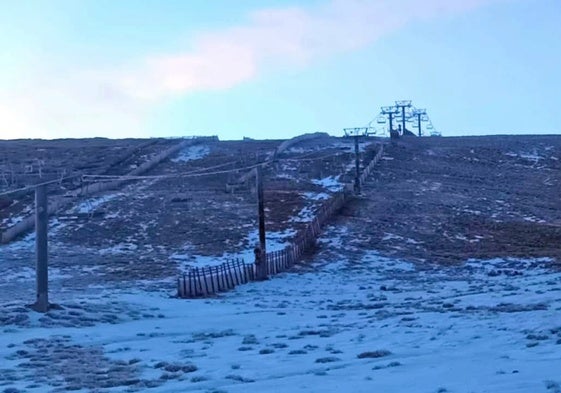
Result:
[{"x": 351, "y": 321}]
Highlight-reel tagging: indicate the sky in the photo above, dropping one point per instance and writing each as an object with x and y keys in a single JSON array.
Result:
[{"x": 275, "y": 68}]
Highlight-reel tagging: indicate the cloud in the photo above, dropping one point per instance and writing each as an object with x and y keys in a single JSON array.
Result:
[
  {"x": 275, "y": 38},
  {"x": 101, "y": 101}
]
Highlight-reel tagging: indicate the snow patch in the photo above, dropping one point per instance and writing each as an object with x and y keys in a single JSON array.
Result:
[
  {"x": 316, "y": 196},
  {"x": 91, "y": 204},
  {"x": 275, "y": 241},
  {"x": 530, "y": 156},
  {"x": 330, "y": 183},
  {"x": 304, "y": 215},
  {"x": 192, "y": 153}
]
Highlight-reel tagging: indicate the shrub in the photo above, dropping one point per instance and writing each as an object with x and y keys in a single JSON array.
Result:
[{"x": 380, "y": 353}]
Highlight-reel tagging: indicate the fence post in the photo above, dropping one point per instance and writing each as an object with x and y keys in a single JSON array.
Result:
[
  {"x": 207, "y": 287},
  {"x": 248, "y": 269},
  {"x": 190, "y": 278},
  {"x": 228, "y": 284},
  {"x": 239, "y": 267},
  {"x": 233, "y": 267},
  {"x": 222, "y": 272},
  {"x": 211, "y": 280},
  {"x": 230, "y": 275},
  {"x": 198, "y": 282},
  {"x": 191, "y": 283},
  {"x": 217, "y": 275},
  {"x": 240, "y": 271}
]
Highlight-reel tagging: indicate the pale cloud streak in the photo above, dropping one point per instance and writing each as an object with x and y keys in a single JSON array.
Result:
[
  {"x": 103, "y": 101},
  {"x": 276, "y": 38}
]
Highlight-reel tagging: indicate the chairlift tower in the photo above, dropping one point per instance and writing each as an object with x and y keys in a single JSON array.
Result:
[
  {"x": 390, "y": 111},
  {"x": 356, "y": 133},
  {"x": 421, "y": 115},
  {"x": 402, "y": 105},
  {"x": 404, "y": 112}
]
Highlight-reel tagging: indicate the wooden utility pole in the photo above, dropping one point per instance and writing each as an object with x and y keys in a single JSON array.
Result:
[
  {"x": 357, "y": 166},
  {"x": 41, "y": 249},
  {"x": 261, "y": 256}
]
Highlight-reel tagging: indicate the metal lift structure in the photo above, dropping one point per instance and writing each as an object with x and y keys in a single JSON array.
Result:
[{"x": 407, "y": 117}]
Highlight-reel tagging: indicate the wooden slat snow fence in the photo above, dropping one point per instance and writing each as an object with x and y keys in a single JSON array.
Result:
[{"x": 210, "y": 280}]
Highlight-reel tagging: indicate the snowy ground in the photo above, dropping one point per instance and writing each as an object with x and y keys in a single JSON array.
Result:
[
  {"x": 351, "y": 321},
  {"x": 276, "y": 241},
  {"x": 330, "y": 183},
  {"x": 191, "y": 153}
]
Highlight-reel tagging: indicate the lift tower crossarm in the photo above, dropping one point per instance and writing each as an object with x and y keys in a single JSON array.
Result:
[{"x": 356, "y": 131}]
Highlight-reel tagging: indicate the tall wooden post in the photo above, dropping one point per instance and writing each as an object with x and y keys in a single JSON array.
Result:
[
  {"x": 41, "y": 249},
  {"x": 357, "y": 166},
  {"x": 262, "y": 270}
]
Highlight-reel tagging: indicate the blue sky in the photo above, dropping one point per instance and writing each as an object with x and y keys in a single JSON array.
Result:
[{"x": 275, "y": 68}]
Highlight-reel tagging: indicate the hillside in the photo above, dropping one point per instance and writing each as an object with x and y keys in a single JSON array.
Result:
[
  {"x": 443, "y": 273},
  {"x": 176, "y": 215},
  {"x": 441, "y": 200},
  {"x": 450, "y": 199}
]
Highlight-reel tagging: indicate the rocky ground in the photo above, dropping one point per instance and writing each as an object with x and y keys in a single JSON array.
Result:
[{"x": 449, "y": 199}]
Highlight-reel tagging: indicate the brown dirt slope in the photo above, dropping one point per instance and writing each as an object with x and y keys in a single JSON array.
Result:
[{"x": 449, "y": 199}]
